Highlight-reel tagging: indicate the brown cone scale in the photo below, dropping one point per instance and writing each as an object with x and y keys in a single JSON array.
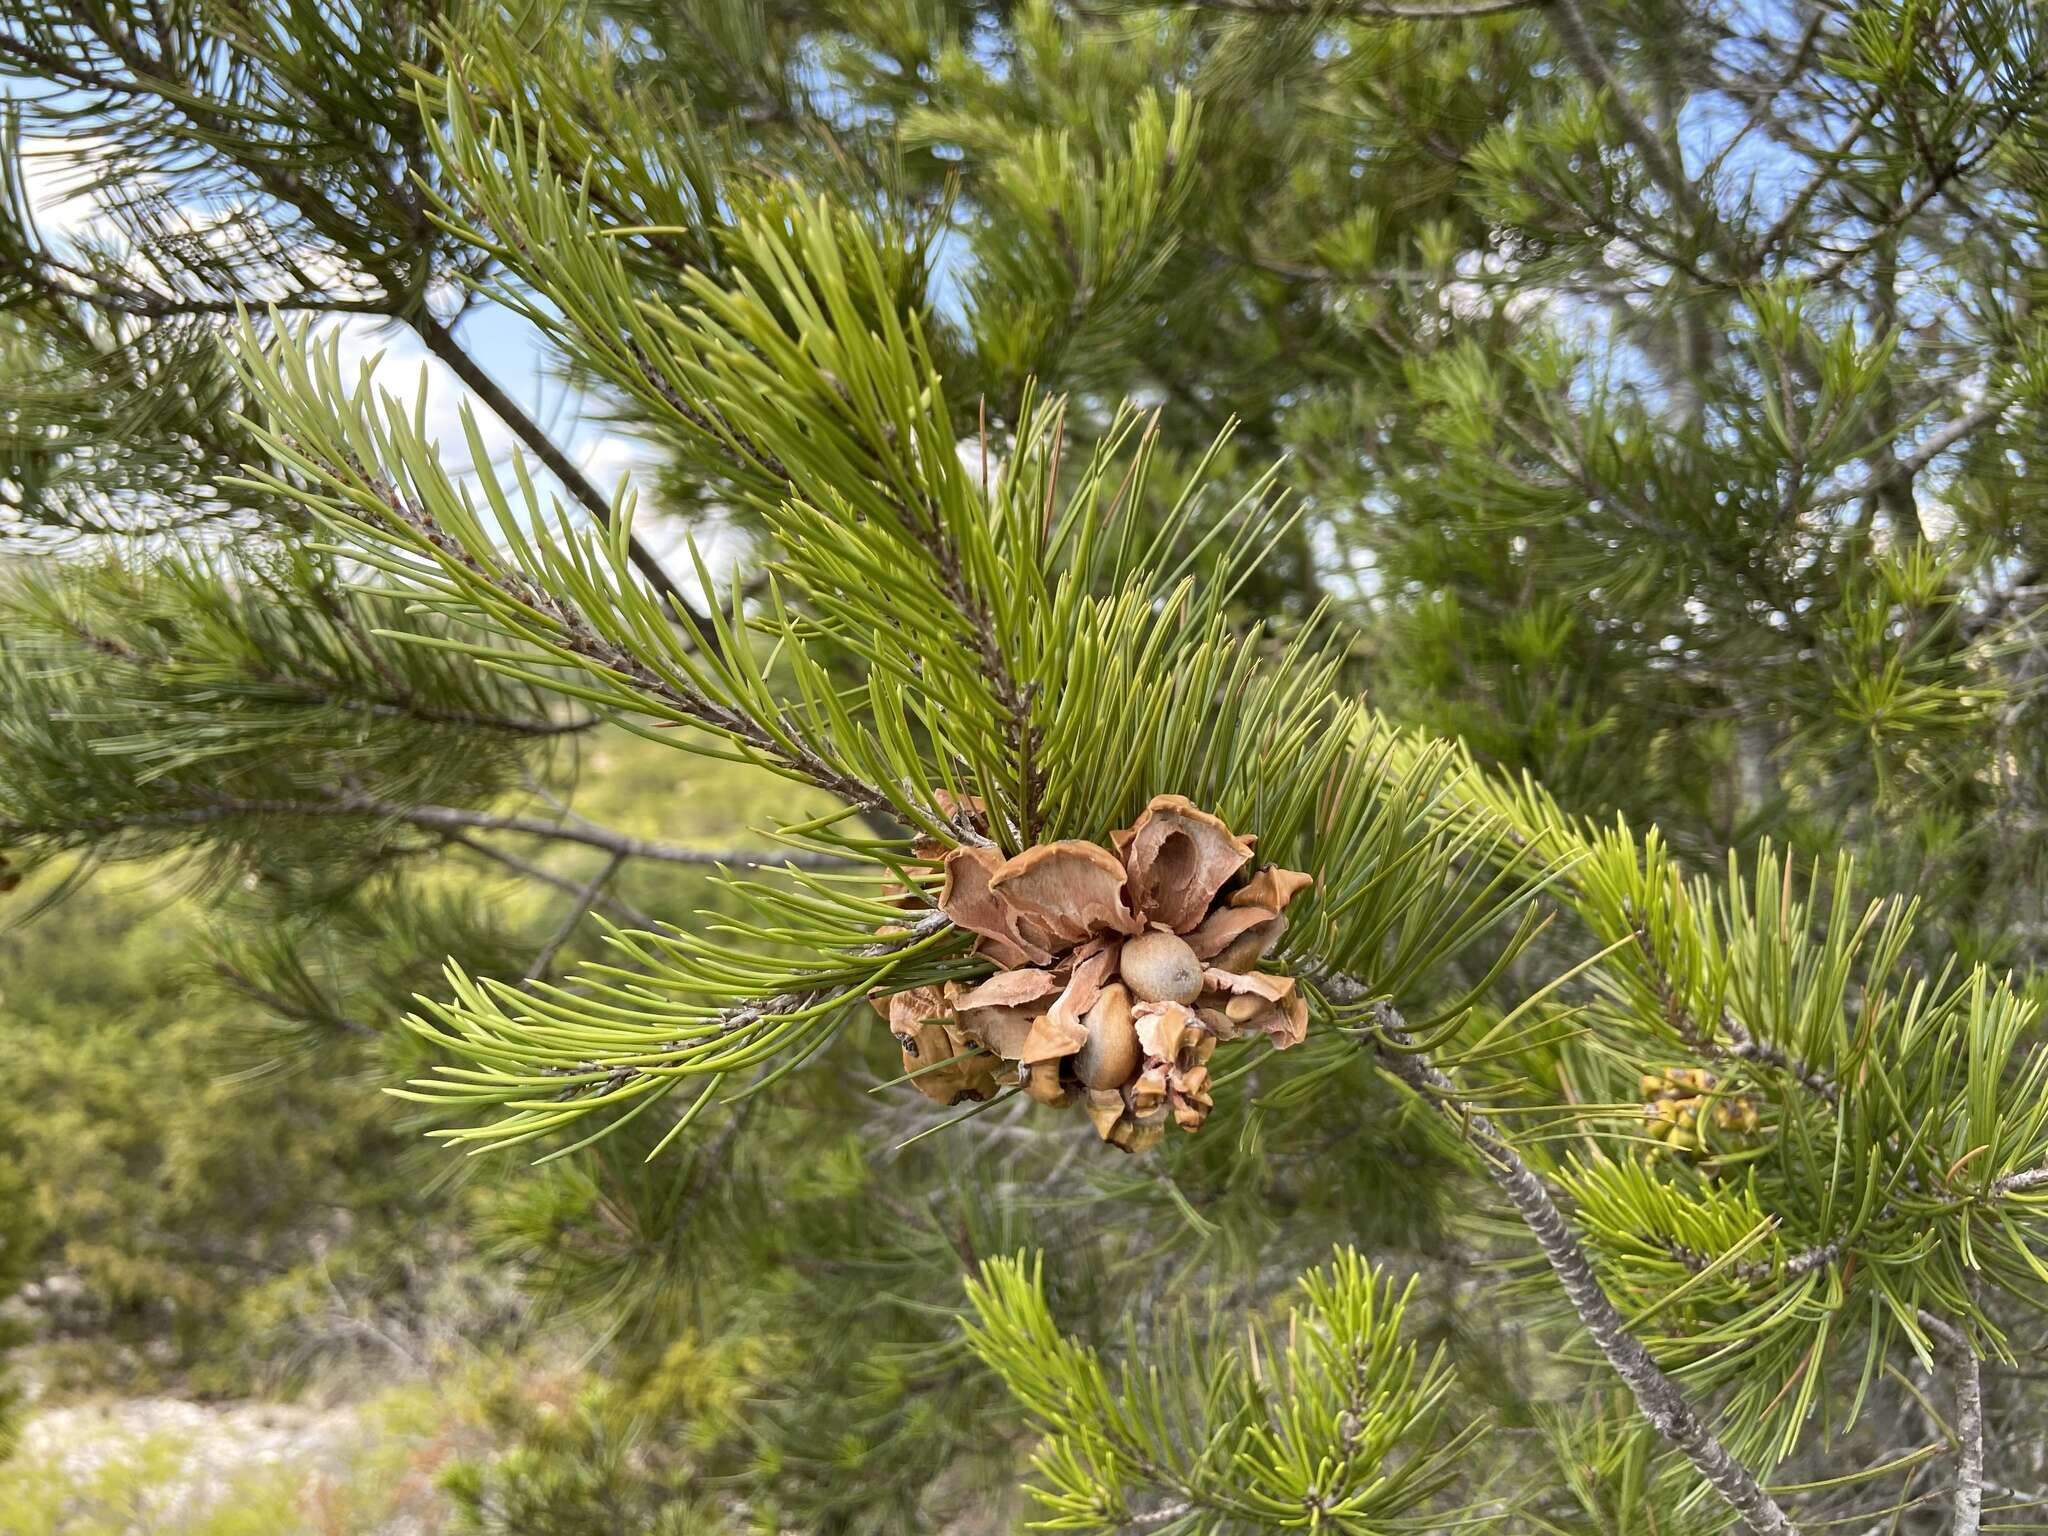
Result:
[{"x": 1120, "y": 969}]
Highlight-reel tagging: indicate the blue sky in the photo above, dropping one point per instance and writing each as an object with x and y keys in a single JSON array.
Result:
[{"x": 503, "y": 344}]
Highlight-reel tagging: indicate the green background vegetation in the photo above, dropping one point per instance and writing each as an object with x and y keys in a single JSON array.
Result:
[{"x": 1643, "y": 441}]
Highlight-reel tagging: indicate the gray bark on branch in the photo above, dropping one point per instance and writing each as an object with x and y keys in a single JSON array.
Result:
[
  {"x": 1576, "y": 38},
  {"x": 440, "y": 818},
  {"x": 586, "y": 898},
  {"x": 1968, "y": 1506},
  {"x": 441, "y": 342},
  {"x": 1660, "y": 1399}
]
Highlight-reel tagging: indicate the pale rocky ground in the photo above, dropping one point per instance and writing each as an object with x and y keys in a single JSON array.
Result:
[
  {"x": 297, "y": 1471},
  {"x": 216, "y": 1440},
  {"x": 205, "y": 1460}
]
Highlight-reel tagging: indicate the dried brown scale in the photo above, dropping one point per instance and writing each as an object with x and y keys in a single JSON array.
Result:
[
  {"x": 1119, "y": 972},
  {"x": 1111, "y": 1054}
]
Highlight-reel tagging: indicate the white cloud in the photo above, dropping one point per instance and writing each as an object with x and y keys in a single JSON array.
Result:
[
  {"x": 609, "y": 455},
  {"x": 984, "y": 464},
  {"x": 402, "y": 367},
  {"x": 53, "y": 171}
]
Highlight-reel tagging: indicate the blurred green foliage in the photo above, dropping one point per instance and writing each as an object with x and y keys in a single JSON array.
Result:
[
  {"x": 18, "y": 1233},
  {"x": 220, "y": 1199},
  {"x": 168, "y": 1175},
  {"x": 257, "y": 1470},
  {"x": 174, "y": 1146},
  {"x": 1635, "y": 524}
]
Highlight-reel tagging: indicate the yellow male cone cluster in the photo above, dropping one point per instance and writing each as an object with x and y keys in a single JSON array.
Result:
[{"x": 1680, "y": 1102}]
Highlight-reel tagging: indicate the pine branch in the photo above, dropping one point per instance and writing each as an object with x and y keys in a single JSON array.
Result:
[
  {"x": 1363, "y": 10},
  {"x": 748, "y": 457},
  {"x": 1165, "y": 1514},
  {"x": 579, "y": 638},
  {"x": 1805, "y": 1262},
  {"x": 400, "y": 705},
  {"x": 403, "y": 294},
  {"x": 1968, "y": 1517},
  {"x": 1662, "y": 1401},
  {"x": 65, "y": 66},
  {"x": 1969, "y": 1502},
  {"x": 1942, "y": 173},
  {"x": 286, "y": 1008},
  {"x": 441, "y": 342},
  {"x": 99, "y": 290},
  {"x": 1827, "y": 174},
  {"x": 1569, "y": 22},
  {"x": 2021, "y": 1182},
  {"x": 731, "y": 1021},
  {"x": 1891, "y": 471},
  {"x": 1740, "y": 1046},
  {"x": 586, "y": 898},
  {"x": 1765, "y": 92},
  {"x": 1355, "y": 1406},
  {"x": 1015, "y": 701},
  {"x": 610, "y": 905},
  {"x": 440, "y": 818}
]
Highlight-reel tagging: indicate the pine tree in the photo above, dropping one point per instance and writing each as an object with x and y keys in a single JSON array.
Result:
[{"x": 1667, "y": 373}]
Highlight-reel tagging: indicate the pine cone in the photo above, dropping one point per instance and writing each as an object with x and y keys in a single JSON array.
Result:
[
  {"x": 946, "y": 1065},
  {"x": 1122, "y": 970}
]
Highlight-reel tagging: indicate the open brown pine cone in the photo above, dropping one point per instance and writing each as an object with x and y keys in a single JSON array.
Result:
[{"x": 1120, "y": 972}]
